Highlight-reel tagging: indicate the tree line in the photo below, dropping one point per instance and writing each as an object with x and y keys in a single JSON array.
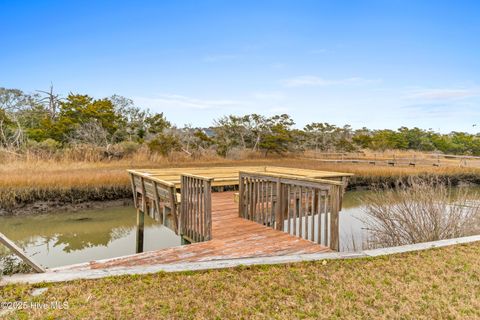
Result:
[{"x": 46, "y": 121}]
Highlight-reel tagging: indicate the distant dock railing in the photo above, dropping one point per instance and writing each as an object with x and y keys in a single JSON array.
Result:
[{"x": 397, "y": 159}]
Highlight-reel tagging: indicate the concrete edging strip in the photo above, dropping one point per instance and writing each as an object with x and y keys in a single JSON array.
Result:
[{"x": 67, "y": 274}]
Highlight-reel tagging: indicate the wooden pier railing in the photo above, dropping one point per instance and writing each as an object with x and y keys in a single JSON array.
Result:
[
  {"x": 304, "y": 207},
  {"x": 196, "y": 204},
  {"x": 156, "y": 198},
  {"x": 189, "y": 210}
]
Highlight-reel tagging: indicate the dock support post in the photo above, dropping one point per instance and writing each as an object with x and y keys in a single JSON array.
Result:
[
  {"x": 279, "y": 207},
  {"x": 334, "y": 219},
  {"x": 164, "y": 216},
  {"x": 140, "y": 230}
]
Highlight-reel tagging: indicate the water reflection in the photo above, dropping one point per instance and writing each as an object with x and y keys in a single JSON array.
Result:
[{"x": 66, "y": 238}]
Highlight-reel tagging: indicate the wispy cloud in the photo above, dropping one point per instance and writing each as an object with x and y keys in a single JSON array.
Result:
[
  {"x": 432, "y": 109},
  {"x": 443, "y": 93},
  {"x": 447, "y": 110},
  {"x": 220, "y": 57},
  {"x": 173, "y": 101},
  {"x": 314, "y": 81}
]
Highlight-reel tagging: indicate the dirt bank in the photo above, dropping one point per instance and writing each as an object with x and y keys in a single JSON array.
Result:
[
  {"x": 22, "y": 201},
  {"x": 367, "y": 182},
  {"x": 40, "y": 207}
]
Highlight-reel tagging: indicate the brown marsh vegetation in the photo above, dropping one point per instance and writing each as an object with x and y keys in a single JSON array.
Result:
[{"x": 25, "y": 181}]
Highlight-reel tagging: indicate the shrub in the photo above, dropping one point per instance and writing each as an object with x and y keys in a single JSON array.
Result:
[
  {"x": 129, "y": 147},
  {"x": 45, "y": 148},
  {"x": 164, "y": 144},
  {"x": 420, "y": 210},
  {"x": 10, "y": 264}
]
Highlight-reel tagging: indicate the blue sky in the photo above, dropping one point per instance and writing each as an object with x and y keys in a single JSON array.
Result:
[{"x": 380, "y": 64}]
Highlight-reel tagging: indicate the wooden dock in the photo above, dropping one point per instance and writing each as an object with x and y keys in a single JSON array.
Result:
[
  {"x": 232, "y": 238},
  {"x": 269, "y": 211},
  {"x": 277, "y": 211}
]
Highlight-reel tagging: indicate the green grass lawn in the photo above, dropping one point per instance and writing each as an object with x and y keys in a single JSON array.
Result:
[{"x": 435, "y": 284}]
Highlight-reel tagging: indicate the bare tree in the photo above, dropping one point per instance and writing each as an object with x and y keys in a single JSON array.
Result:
[
  {"x": 90, "y": 133},
  {"x": 12, "y": 102},
  {"x": 51, "y": 101}
]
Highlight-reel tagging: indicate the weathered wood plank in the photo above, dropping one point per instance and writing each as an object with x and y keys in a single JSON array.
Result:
[
  {"x": 225, "y": 176},
  {"x": 19, "y": 252}
]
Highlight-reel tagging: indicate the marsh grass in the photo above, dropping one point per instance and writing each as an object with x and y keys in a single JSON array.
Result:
[
  {"x": 30, "y": 180},
  {"x": 420, "y": 210}
]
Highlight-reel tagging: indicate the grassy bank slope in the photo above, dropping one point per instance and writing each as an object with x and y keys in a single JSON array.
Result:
[
  {"x": 24, "y": 183},
  {"x": 435, "y": 284}
]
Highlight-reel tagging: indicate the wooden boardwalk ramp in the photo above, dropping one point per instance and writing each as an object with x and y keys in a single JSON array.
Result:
[{"x": 232, "y": 237}]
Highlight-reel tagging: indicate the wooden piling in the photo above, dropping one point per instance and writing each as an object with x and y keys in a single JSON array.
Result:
[{"x": 140, "y": 230}]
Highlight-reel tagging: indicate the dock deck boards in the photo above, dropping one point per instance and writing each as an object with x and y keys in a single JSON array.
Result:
[
  {"x": 227, "y": 176},
  {"x": 232, "y": 237}
]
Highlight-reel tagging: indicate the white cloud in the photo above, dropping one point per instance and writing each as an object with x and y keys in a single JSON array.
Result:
[
  {"x": 173, "y": 101},
  {"x": 314, "y": 81},
  {"x": 443, "y": 94}
]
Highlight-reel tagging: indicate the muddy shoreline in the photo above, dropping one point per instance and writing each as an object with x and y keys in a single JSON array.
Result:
[
  {"x": 42, "y": 207},
  {"x": 23, "y": 201},
  {"x": 369, "y": 182}
]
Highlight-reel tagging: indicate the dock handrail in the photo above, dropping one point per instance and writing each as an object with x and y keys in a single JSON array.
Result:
[
  {"x": 196, "y": 208},
  {"x": 161, "y": 194},
  {"x": 304, "y": 207}
]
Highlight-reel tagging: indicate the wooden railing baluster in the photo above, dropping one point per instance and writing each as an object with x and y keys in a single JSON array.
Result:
[
  {"x": 274, "y": 199},
  {"x": 196, "y": 208}
]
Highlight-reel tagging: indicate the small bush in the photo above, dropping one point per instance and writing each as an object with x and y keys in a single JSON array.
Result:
[
  {"x": 10, "y": 264},
  {"x": 45, "y": 149},
  {"x": 128, "y": 147},
  {"x": 420, "y": 210},
  {"x": 164, "y": 144}
]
